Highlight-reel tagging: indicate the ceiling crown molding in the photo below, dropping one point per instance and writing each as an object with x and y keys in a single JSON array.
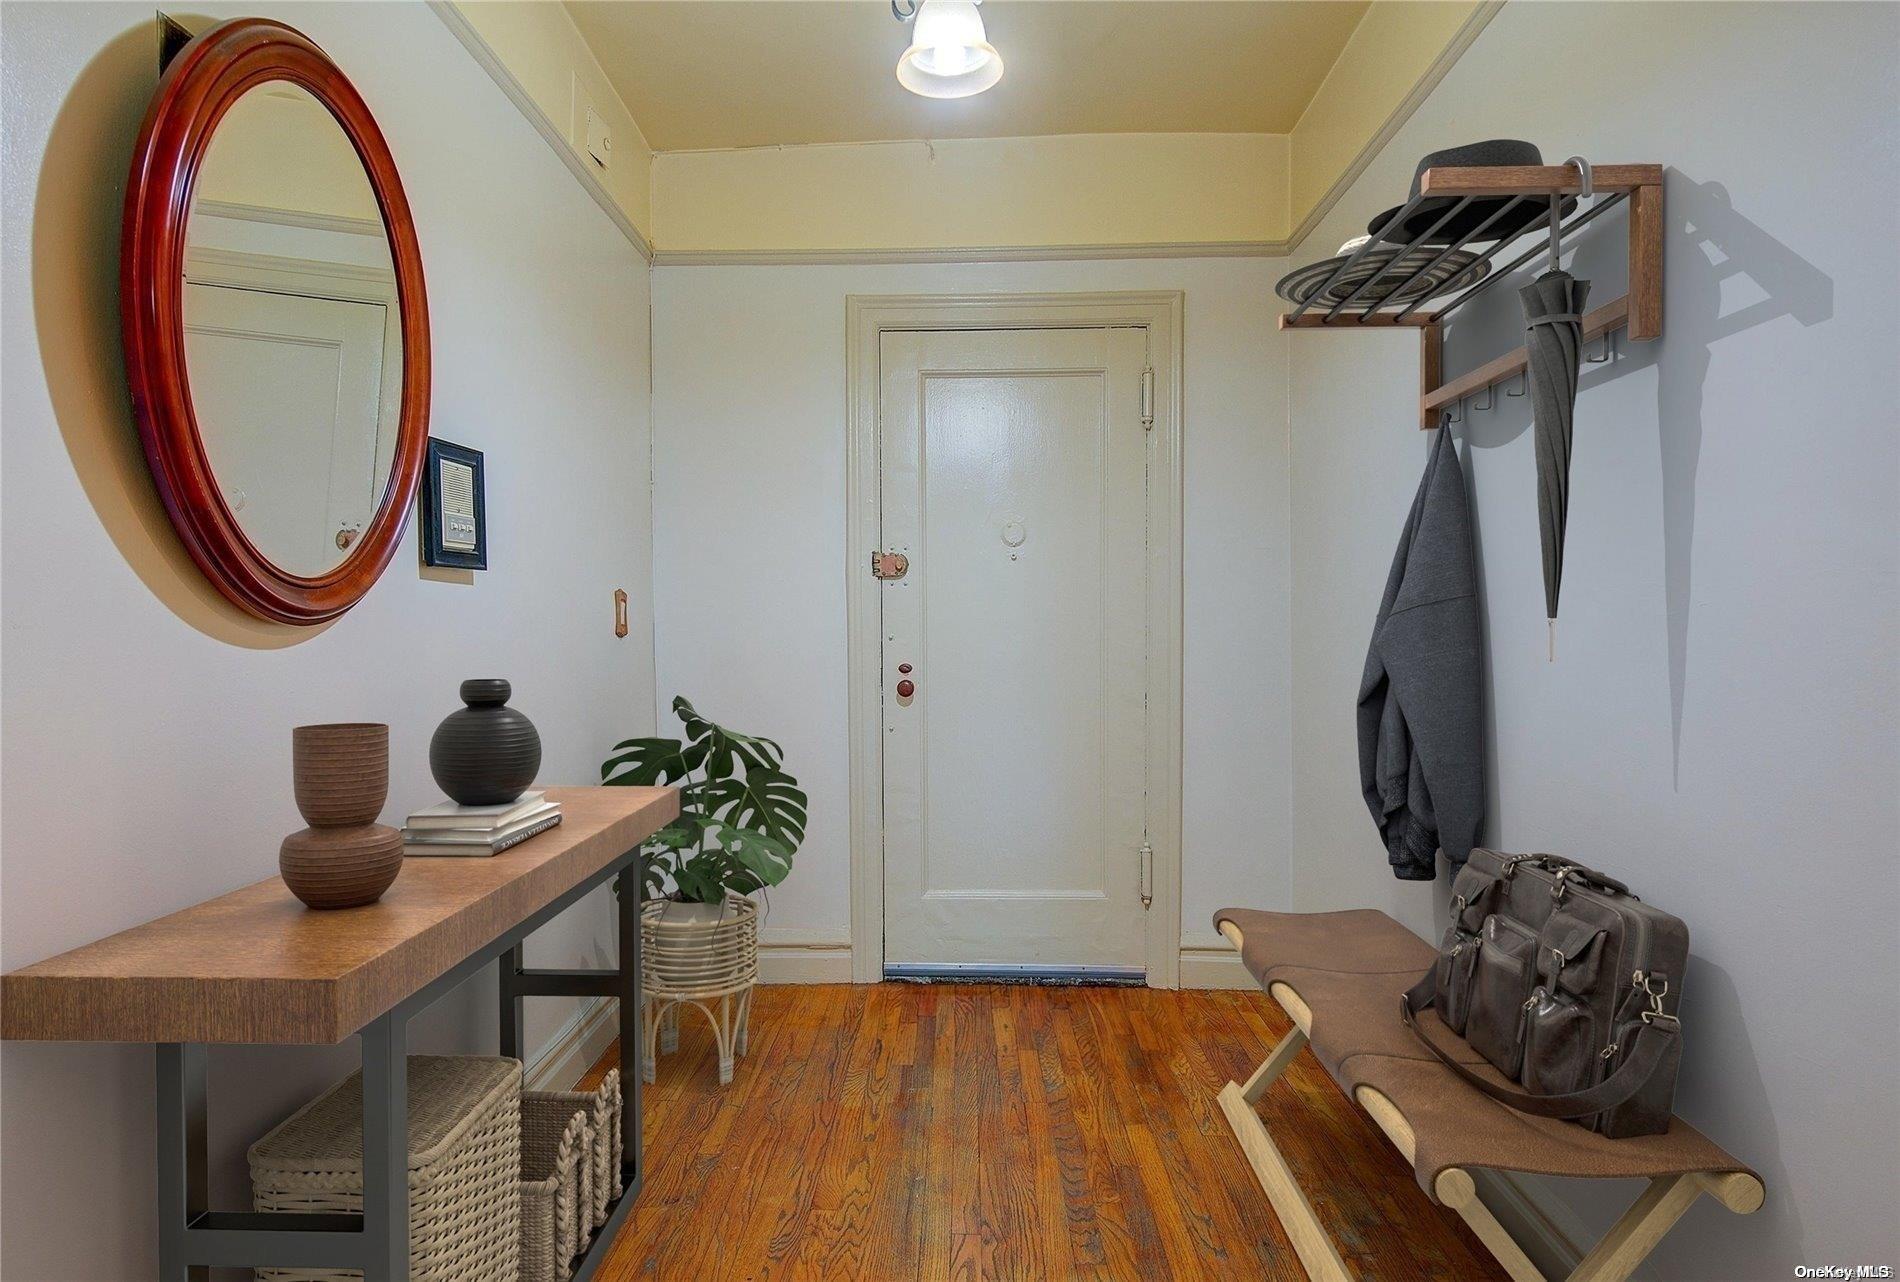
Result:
[
  {"x": 977, "y": 254},
  {"x": 497, "y": 70},
  {"x": 1447, "y": 58}
]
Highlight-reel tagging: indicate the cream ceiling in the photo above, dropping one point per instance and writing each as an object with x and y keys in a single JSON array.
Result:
[{"x": 749, "y": 73}]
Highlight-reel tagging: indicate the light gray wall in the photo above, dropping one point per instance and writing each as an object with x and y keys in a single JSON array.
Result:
[
  {"x": 1719, "y": 727},
  {"x": 146, "y": 734},
  {"x": 749, "y": 480}
]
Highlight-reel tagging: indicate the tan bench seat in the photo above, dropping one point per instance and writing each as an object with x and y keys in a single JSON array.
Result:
[{"x": 1338, "y": 976}]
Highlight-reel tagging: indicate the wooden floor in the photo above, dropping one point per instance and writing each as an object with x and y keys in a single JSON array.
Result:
[{"x": 905, "y": 1131}]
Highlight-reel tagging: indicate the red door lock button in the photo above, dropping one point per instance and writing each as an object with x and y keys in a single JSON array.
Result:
[
  {"x": 905, "y": 689},
  {"x": 904, "y": 668}
]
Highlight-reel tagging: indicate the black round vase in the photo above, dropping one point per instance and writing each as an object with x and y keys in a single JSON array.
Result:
[{"x": 485, "y": 754}]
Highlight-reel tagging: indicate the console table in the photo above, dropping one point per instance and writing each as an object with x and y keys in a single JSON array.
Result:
[{"x": 257, "y": 966}]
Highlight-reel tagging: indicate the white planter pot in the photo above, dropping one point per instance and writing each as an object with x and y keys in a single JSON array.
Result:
[
  {"x": 692, "y": 914},
  {"x": 704, "y": 955}
]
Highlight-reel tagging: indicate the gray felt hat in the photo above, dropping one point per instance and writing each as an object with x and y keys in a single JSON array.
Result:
[{"x": 1496, "y": 151}]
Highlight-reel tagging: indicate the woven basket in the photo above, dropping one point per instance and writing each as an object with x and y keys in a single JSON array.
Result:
[
  {"x": 602, "y": 1180},
  {"x": 464, "y": 1168},
  {"x": 551, "y": 1158}
]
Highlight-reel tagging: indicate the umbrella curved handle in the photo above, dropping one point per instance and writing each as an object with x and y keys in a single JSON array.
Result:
[{"x": 1586, "y": 187}]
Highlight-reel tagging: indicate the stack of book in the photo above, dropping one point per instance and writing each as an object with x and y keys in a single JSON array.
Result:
[{"x": 455, "y": 830}]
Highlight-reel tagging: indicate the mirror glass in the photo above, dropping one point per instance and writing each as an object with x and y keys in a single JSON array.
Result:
[{"x": 293, "y": 331}]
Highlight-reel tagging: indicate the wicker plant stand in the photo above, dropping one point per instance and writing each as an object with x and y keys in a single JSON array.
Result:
[{"x": 709, "y": 964}]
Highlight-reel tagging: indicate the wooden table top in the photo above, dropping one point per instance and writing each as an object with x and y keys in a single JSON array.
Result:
[{"x": 257, "y": 966}]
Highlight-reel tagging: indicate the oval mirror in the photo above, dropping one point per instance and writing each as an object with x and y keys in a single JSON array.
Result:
[{"x": 275, "y": 325}]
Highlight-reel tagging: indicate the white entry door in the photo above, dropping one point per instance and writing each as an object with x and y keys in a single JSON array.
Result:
[{"x": 1014, "y": 479}]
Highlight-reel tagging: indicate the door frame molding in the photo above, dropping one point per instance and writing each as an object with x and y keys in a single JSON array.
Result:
[{"x": 867, "y": 317}]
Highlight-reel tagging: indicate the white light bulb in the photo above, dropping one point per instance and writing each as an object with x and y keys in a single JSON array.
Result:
[{"x": 949, "y": 56}]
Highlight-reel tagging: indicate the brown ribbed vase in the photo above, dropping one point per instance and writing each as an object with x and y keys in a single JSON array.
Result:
[{"x": 341, "y": 777}]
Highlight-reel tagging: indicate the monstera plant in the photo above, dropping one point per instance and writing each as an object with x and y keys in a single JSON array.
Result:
[{"x": 741, "y": 816}]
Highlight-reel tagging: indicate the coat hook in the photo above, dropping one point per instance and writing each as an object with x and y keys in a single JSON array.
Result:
[
  {"x": 1523, "y": 380},
  {"x": 1459, "y": 417},
  {"x": 1609, "y": 349},
  {"x": 1490, "y": 397}
]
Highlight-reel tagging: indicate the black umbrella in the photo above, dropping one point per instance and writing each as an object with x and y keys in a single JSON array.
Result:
[{"x": 1553, "y": 317}]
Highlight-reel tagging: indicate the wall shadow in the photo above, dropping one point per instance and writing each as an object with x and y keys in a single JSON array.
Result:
[
  {"x": 77, "y": 211},
  {"x": 1707, "y": 244},
  {"x": 1701, "y": 219}
]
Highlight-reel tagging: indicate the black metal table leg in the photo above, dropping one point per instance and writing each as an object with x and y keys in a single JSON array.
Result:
[
  {"x": 632, "y": 1044},
  {"x": 386, "y": 1149},
  {"x": 182, "y": 1169},
  {"x": 512, "y": 1038}
]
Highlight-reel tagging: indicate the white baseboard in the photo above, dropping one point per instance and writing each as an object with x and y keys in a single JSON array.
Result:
[
  {"x": 1546, "y": 1228},
  {"x": 1213, "y": 966},
  {"x": 792, "y": 956},
  {"x": 575, "y": 1049},
  {"x": 827, "y": 963}
]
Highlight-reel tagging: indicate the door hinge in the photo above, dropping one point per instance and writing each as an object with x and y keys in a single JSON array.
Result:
[
  {"x": 1147, "y": 875},
  {"x": 1148, "y": 400}
]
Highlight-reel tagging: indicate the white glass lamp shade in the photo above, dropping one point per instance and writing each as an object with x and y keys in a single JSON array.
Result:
[{"x": 948, "y": 55}]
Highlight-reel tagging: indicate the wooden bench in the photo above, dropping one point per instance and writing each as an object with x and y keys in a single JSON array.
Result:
[{"x": 1338, "y": 977}]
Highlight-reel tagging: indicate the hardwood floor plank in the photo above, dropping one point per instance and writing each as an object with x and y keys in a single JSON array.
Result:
[
  {"x": 1058, "y": 1188},
  {"x": 1132, "y": 1244},
  {"x": 832, "y": 1236},
  {"x": 894, "y": 1132}
]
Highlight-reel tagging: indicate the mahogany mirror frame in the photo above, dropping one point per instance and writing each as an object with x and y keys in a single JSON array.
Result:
[{"x": 199, "y": 86}]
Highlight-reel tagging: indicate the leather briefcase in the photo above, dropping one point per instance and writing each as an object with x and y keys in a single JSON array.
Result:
[{"x": 1568, "y": 984}]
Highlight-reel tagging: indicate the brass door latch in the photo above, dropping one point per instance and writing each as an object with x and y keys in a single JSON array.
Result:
[{"x": 889, "y": 565}]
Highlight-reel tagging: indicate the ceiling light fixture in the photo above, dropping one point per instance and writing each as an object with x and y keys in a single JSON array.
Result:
[{"x": 949, "y": 57}]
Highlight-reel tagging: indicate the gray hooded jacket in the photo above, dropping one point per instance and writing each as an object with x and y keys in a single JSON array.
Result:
[{"x": 1421, "y": 701}]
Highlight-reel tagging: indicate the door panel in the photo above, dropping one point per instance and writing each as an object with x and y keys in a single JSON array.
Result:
[
  {"x": 289, "y": 447},
  {"x": 1014, "y": 479}
]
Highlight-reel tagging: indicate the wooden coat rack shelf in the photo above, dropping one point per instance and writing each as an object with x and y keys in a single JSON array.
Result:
[{"x": 1639, "y": 310}]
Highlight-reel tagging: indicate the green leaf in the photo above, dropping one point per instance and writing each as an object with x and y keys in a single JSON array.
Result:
[
  {"x": 766, "y": 801},
  {"x": 767, "y": 859},
  {"x": 646, "y": 762},
  {"x": 727, "y": 744},
  {"x": 700, "y": 883},
  {"x": 681, "y": 834},
  {"x": 697, "y": 727}
]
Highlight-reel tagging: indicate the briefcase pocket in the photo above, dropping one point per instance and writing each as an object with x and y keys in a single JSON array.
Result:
[
  {"x": 1570, "y": 954},
  {"x": 1457, "y": 958},
  {"x": 1560, "y": 1044},
  {"x": 1502, "y": 981},
  {"x": 1471, "y": 899}
]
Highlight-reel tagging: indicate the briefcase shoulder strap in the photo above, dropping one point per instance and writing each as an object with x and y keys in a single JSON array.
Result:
[{"x": 1654, "y": 1036}]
